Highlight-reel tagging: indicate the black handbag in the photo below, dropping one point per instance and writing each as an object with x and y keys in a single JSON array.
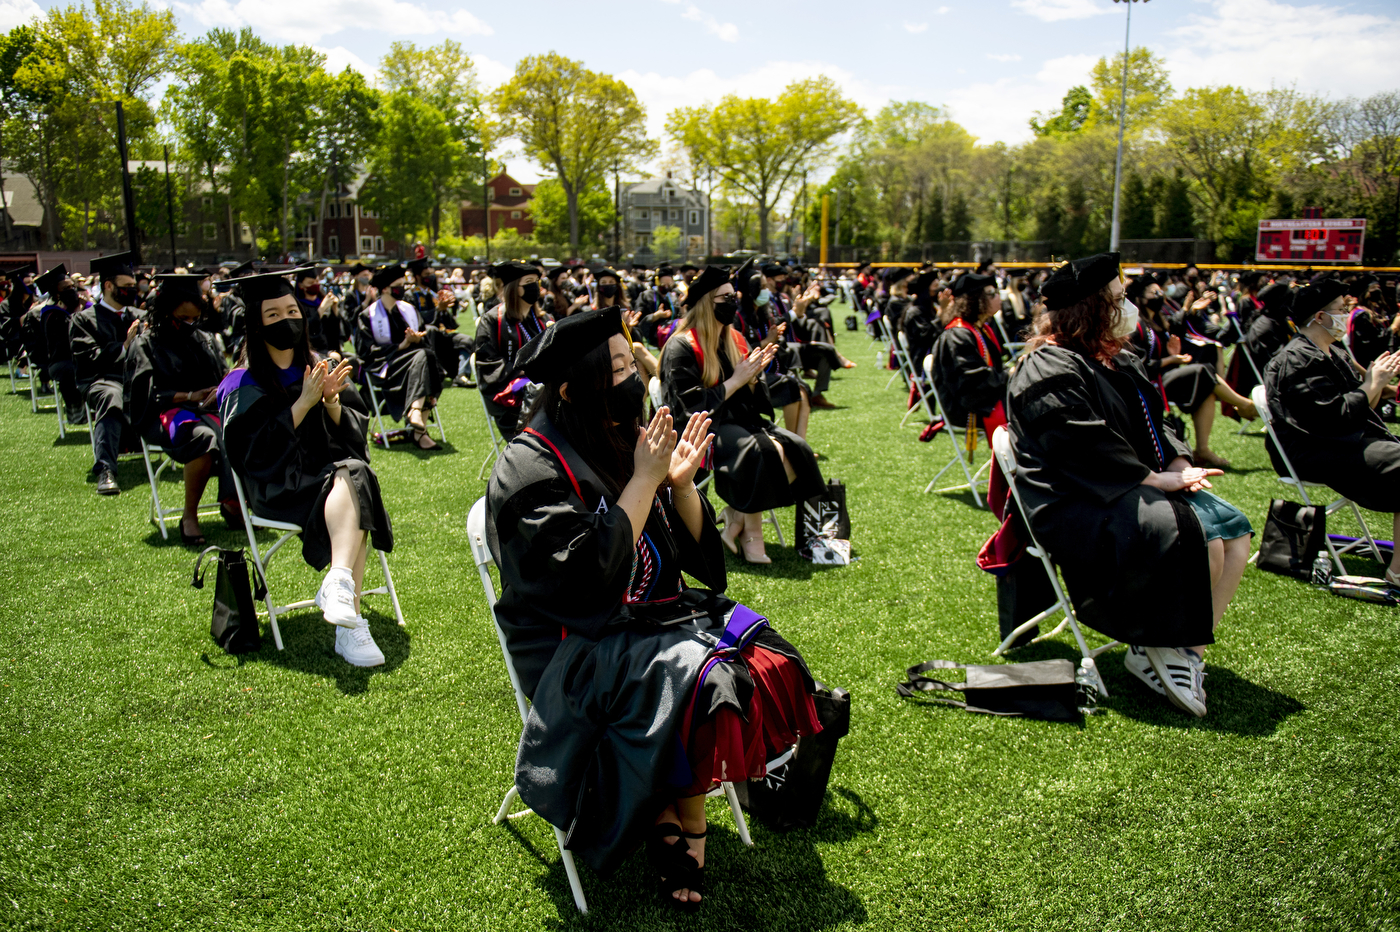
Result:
[
  {"x": 823, "y": 517},
  {"x": 791, "y": 794},
  {"x": 234, "y": 625},
  {"x": 1043, "y": 689},
  {"x": 852, "y": 324},
  {"x": 1293, "y": 536}
]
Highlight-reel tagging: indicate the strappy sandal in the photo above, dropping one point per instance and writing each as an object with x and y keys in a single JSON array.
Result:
[
  {"x": 672, "y": 860},
  {"x": 750, "y": 556},
  {"x": 733, "y": 521}
]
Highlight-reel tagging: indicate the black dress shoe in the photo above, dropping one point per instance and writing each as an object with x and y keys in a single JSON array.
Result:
[{"x": 107, "y": 483}]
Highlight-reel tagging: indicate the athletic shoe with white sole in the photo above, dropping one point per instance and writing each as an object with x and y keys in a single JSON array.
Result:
[
  {"x": 336, "y": 597},
  {"x": 1136, "y": 662},
  {"x": 1182, "y": 673},
  {"x": 357, "y": 645}
]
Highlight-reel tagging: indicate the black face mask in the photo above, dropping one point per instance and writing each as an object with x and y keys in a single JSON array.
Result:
[
  {"x": 69, "y": 299},
  {"x": 726, "y": 311},
  {"x": 286, "y": 333},
  {"x": 607, "y": 291},
  {"x": 530, "y": 292},
  {"x": 396, "y": 292},
  {"x": 126, "y": 296},
  {"x": 429, "y": 282},
  {"x": 1155, "y": 304},
  {"x": 625, "y": 399}
]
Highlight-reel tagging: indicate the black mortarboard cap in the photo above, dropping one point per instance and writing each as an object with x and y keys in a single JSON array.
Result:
[
  {"x": 1362, "y": 285},
  {"x": 359, "y": 267},
  {"x": 772, "y": 268},
  {"x": 109, "y": 267},
  {"x": 1078, "y": 279},
  {"x": 511, "y": 270},
  {"x": 416, "y": 266},
  {"x": 548, "y": 356},
  {"x": 687, "y": 267},
  {"x": 387, "y": 275},
  {"x": 181, "y": 283},
  {"x": 1250, "y": 278},
  {"x": 606, "y": 272},
  {"x": 665, "y": 270},
  {"x": 972, "y": 283},
  {"x": 897, "y": 275},
  {"x": 255, "y": 289},
  {"x": 923, "y": 280},
  {"x": 554, "y": 273},
  {"x": 305, "y": 273},
  {"x": 1277, "y": 295},
  {"x": 18, "y": 273},
  {"x": 50, "y": 280},
  {"x": 1308, "y": 301},
  {"x": 246, "y": 268},
  {"x": 704, "y": 283}
]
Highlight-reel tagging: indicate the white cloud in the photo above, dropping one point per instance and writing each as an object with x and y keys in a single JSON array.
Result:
[
  {"x": 339, "y": 58},
  {"x": 1007, "y": 57},
  {"x": 726, "y": 31},
  {"x": 1321, "y": 49},
  {"x": 491, "y": 73},
  {"x": 1052, "y": 11},
  {"x": 943, "y": 9},
  {"x": 915, "y": 28},
  {"x": 17, "y": 12},
  {"x": 313, "y": 20},
  {"x": 999, "y": 110}
]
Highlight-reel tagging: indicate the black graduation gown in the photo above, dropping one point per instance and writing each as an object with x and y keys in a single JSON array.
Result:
[
  {"x": 98, "y": 335},
  {"x": 1196, "y": 328},
  {"x": 1134, "y": 557},
  {"x": 1187, "y": 385},
  {"x": 12, "y": 311},
  {"x": 894, "y": 311},
  {"x": 497, "y": 343},
  {"x": 921, "y": 329},
  {"x": 600, "y": 754},
  {"x": 749, "y": 473},
  {"x": 1328, "y": 427},
  {"x": 967, "y": 383},
  {"x": 289, "y": 470},
  {"x": 782, "y": 375},
  {"x": 649, "y": 302},
  {"x": 32, "y": 336},
  {"x": 323, "y": 330},
  {"x": 1368, "y": 336},
  {"x": 158, "y": 365},
  {"x": 1269, "y": 332},
  {"x": 409, "y": 374}
]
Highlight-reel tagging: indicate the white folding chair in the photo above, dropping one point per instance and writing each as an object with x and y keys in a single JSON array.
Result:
[
  {"x": 492, "y": 430},
  {"x": 1006, "y": 456},
  {"x": 901, "y": 358},
  {"x": 16, "y": 362},
  {"x": 262, "y": 559},
  {"x": 376, "y": 407},
  {"x": 38, "y": 407},
  {"x": 958, "y": 435},
  {"x": 923, "y": 394},
  {"x": 159, "y": 513},
  {"x": 481, "y": 556},
  {"x": 1012, "y": 347},
  {"x": 1253, "y": 367},
  {"x": 1261, "y": 401}
]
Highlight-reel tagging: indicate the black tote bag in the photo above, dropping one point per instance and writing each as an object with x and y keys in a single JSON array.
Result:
[
  {"x": 1043, "y": 689},
  {"x": 823, "y": 516},
  {"x": 1293, "y": 536},
  {"x": 791, "y": 794},
  {"x": 234, "y": 624}
]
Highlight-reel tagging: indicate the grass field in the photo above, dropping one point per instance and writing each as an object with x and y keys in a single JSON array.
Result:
[{"x": 148, "y": 781}]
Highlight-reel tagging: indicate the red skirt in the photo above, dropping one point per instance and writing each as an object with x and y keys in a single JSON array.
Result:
[{"x": 729, "y": 747}]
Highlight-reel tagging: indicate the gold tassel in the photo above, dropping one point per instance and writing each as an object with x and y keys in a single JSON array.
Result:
[{"x": 971, "y": 433}]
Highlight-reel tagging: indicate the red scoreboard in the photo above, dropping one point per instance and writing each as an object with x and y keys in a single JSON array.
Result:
[{"x": 1311, "y": 240}]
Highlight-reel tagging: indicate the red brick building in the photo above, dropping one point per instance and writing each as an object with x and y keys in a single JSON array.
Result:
[
  {"x": 508, "y": 206},
  {"x": 349, "y": 229}
]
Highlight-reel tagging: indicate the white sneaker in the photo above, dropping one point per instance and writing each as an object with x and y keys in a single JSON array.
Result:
[
  {"x": 1136, "y": 662},
  {"x": 1183, "y": 675},
  {"x": 336, "y": 597},
  {"x": 357, "y": 645}
]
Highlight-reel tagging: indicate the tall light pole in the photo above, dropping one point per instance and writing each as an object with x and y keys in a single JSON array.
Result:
[{"x": 1122, "y": 119}]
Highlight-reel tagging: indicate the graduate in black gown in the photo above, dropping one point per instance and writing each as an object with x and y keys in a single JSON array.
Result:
[
  {"x": 1324, "y": 413},
  {"x": 101, "y": 336},
  {"x": 592, "y": 518},
  {"x": 806, "y": 332},
  {"x": 58, "y": 346},
  {"x": 758, "y": 326},
  {"x": 321, "y": 313},
  {"x": 920, "y": 322},
  {"x": 1368, "y": 333},
  {"x": 356, "y": 298},
  {"x": 658, "y": 304},
  {"x": 968, "y": 359},
  {"x": 295, "y": 432},
  {"x": 500, "y": 333},
  {"x": 13, "y": 309},
  {"x": 708, "y": 366},
  {"x": 1112, "y": 495},
  {"x": 36, "y": 346},
  {"x": 1269, "y": 330},
  {"x": 391, "y": 341},
  {"x": 173, "y": 370}
]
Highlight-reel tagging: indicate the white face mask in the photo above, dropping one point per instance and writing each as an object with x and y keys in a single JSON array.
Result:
[
  {"x": 1127, "y": 319},
  {"x": 763, "y": 298},
  {"x": 1338, "y": 330}
]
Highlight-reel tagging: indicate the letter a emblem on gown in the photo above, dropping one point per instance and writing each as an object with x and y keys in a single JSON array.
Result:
[{"x": 602, "y": 507}]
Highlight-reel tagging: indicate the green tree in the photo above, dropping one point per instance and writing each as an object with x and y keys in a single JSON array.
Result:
[
  {"x": 549, "y": 209},
  {"x": 577, "y": 122},
  {"x": 346, "y": 108},
  {"x": 1149, "y": 87},
  {"x": 762, "y": 146},
  {"x": 413, "y": 153},
  {"x": 1073, "y": 114},
  {"x": 666, "y": 243}
]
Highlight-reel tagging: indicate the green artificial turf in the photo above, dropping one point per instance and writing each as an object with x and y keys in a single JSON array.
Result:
[{"x": 148, "y": 781}]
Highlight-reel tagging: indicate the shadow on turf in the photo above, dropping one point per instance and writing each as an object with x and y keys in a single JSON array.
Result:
[
  {"x": 310, "y": 648},
  {"x": 779, "y": 883}
]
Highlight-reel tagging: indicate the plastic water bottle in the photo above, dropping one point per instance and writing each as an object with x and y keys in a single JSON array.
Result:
[{"x": 1322, "y": 570}]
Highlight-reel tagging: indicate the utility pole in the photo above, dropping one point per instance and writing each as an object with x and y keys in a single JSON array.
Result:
[
  {"x": 1122, "y": 120},
  {"x": 170, "y": 209},
  {"x": 617, "y": 214},
  {"x": 826, "y": 219},
  {"x": 133, "y": 243},
  {"x": 486, "y": 197}
]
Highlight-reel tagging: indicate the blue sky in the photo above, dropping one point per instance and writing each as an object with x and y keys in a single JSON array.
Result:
[{"x": 992, "y": 63}]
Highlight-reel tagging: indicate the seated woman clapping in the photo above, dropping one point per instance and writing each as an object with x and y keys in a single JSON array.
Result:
[
  {"x": 968, "y": 358},
  {"x": 500, "y": 333},
  {"x": 1324, "y": 413},
  {"x": 172, "y": 371},
  {"x": 708, "y": 366},
  {"x": 295, "y": 431},
  {"x": 391, "y": 341},
  {"x": 592, "y": 519},
  {"x": 1150, "y": 557}
]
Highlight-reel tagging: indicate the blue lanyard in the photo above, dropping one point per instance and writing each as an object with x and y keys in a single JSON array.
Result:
[{"x": 1151, "y": 429}]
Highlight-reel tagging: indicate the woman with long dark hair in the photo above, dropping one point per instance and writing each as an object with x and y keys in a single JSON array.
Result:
[
  {"x": 1150, "y": 557},
  {"x": 759, "y": 327},
  {"x": 968, "y": 357},
  {"x": 592, "y": 518},
  {"x": 295, "y": 431},
  {"x": 391, "y": 340},
  {"x": 500, "y": 333},
  {"x": 172, "y": 371},
  {"x": 708, "y": 366}
]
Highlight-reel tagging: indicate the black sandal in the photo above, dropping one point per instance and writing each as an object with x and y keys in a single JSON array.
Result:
[{"x": 677, "y": 868}]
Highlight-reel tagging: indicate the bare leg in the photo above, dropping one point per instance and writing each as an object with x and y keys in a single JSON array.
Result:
[
  {"x": 1227, "y": 563},
  {"x": 358, "y": 569},
  {"x": 804, "y": 413},
  {"x": 751, "y": 539},
  {"x": 343, "y": 522},
  {"x": 197, "y": 473},
  {"x": 790, "y": 413},
  {"x": 1228, "y": 395},
  {"x": 1203, "y": 419},
  {"x": 415, "y": 419},
  {"x": 787, "y": 467},
  {"x": 689, "y": 813}
]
